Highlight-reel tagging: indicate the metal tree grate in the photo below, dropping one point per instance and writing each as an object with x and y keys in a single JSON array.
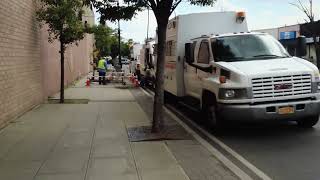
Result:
[{"x": 172, "y": 132}]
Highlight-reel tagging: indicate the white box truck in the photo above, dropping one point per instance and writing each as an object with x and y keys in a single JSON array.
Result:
[
  {"x": 237, "y": 75},
  {"x": 148, "y": 62}
]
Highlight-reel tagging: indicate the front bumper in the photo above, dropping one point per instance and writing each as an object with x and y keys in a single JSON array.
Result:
[{"x": 269, "y": 111}]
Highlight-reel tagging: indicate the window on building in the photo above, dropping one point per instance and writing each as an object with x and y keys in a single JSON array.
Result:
[{"x": 204, "y": 52}]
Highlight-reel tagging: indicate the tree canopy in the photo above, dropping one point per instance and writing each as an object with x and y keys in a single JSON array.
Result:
[
  {"x": 109, "y": 10},
  {"x": 162, "y": 9},
  {"x": 106, "y": 42},
  {"x": 62, "y": 18}
]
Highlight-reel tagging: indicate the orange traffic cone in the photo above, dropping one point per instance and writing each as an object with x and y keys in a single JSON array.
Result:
[
  {"x": 88, "y": 82},
  {"x": 136, "y": 82}
]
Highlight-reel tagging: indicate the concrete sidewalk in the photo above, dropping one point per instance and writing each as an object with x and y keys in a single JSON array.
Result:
[{"x": 90, "y": 142}]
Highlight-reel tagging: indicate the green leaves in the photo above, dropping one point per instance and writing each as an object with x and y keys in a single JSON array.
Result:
[
  {"x": 110, "y": 11},
  {"x": 62, "y": 18},
  {"x": 103, "y": 39},
  {"x": 202, "y": 2},
  {"x": 106, "y": 42}
]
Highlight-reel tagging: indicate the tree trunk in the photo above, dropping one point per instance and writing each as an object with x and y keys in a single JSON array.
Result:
[
  {"x": 62, "y": 72},
  {"x": 158, "y": 111}
]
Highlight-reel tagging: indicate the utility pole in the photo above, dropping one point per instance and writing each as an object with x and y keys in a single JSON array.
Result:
[
  {"x": 311, "y": 11},
  {"x": 119, "y": 35},
  {"x": 222, "y": 5},
  {"x": 148, "y": 23}
]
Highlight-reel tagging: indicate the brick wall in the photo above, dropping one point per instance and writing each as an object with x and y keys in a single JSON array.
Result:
[
  {"x": 29, "y": 65},
  {"x": 20, "y": 75},
  {"x": 77, "y": 59},
  {"x": 77, "y": 62}
]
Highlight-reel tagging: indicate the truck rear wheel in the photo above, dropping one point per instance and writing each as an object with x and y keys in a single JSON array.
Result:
[
  {"x": 213, "y": 118},
  {"x": 308, "y": 122},
  {"x": 167, "y": 97}
]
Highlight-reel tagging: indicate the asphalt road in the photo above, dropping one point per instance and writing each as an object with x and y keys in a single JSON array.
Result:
[{"x": 282, "y": 151}]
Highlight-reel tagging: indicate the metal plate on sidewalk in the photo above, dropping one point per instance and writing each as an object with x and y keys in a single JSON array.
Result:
[
  {"x": 172, "y": 132},
  {"x": 68, "y": 101}
]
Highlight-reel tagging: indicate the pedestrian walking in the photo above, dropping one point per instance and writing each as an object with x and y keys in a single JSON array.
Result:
[{"x": 102, "y": 69}]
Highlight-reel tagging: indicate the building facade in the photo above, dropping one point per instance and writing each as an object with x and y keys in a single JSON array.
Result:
[
  {"x": 29, "y": 65},
  {"x": 287, "y": 35}
]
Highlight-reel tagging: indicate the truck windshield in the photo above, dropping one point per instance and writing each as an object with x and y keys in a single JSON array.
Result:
[{"x": 247, "y": 47}]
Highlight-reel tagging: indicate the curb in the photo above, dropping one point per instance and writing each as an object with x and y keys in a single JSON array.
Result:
[{"x": 228, "y": 163}]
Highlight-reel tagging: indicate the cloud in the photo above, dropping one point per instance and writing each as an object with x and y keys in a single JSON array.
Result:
[
  {"x": 137, "y": 28},
  {"x": 260, "y": 15}
]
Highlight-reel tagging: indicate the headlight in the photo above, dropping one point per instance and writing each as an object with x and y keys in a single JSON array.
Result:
[
  {"x": 233, "y": 94},
  {"x": 230, "y": 93}
]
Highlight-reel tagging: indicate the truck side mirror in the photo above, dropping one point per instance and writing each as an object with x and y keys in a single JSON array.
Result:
[
  {"x": 301, "y": 46},
  {"x": 189, "y": 53}
]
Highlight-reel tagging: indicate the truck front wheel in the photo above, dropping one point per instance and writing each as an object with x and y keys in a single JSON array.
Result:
[
  {"x": 213, "y": 118},
  {"x": 308, "y": 122}
]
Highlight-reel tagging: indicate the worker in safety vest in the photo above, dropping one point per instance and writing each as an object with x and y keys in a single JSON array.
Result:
[{"x": 102, "y": 68}]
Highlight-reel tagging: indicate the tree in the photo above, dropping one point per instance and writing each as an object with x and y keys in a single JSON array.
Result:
[
  {"x": 114, "y": 49},
  {"x": 106, "y": 42},
  {"x": 162, "y": 10},
  {"x": 308, "y": 11},
  {"x": 64, "y": 24},
  {"x": 103, "y": 39},
  {"x": 125, "y": 48}
]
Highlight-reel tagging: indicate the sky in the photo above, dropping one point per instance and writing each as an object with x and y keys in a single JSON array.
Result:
[{"x": 261, "y": 14}]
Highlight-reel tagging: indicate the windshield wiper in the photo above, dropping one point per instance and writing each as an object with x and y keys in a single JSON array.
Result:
[
  {"x": 231, "y": 59},
  {"x": 235, "y": 58},
  {"x": 270, "y": 55}
]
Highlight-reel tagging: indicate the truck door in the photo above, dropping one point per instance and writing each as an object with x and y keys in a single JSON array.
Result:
[
  {"x": 203, "y": 60},
  {"x": 194, "y": 73}
]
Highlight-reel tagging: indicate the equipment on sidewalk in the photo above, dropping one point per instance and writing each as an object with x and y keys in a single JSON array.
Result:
[
  {"x": 88, "y": 82},
  {"x": 117, "y": 77}
]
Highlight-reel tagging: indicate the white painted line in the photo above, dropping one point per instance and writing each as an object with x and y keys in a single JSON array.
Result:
[
  {"x": 235, "y": 169},
  {"x": 250, "y": 166},
  {"x": 218, "y": 154}
]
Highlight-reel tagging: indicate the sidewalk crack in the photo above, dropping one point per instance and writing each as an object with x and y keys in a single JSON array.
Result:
[
  {"x": 51, "y": 150},
  {"x": 91, "y": 147},
  {"x": 132, "y": 153}
]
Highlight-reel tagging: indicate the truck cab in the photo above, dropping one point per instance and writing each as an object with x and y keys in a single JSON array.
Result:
[{"x": 250, "y": 77}]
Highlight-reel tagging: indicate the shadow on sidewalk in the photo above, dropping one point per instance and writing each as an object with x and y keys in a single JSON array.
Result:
[{"x": 172, "y": 130}]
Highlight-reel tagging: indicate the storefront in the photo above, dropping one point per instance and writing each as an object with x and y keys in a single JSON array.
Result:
[{"x": 289, "y": 40}]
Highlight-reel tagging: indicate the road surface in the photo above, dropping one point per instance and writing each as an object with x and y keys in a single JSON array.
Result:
[{"x": 282, "y": 151}]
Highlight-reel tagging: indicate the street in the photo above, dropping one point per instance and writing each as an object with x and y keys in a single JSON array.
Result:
[
  {"x": 282, "y": 151},
  {"x": 159, "y": 90}
]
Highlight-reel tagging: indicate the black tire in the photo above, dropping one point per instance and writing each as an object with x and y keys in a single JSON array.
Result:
[
  {"x": 166, "y": 97},
  {"x": 213, "y": 118},
  {"x": 308, "y": 122},
  {"x": 169, "y": 98}
]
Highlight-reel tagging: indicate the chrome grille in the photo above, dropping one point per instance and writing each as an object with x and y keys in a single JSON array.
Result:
[{"x": 270, "y": 87}]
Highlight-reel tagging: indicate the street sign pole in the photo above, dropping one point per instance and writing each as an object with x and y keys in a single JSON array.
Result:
[{"x": 119, "y": 36}]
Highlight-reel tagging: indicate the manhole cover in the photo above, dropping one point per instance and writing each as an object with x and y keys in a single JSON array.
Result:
[{"x": 172, "y": 132}]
